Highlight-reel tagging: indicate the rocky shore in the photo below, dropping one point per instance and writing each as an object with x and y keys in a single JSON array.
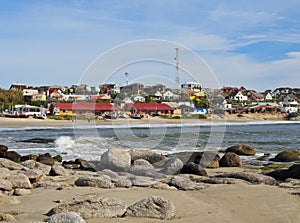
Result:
[{"x": 142, "y": 185}]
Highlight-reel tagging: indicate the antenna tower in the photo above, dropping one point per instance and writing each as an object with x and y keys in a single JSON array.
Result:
[
  {"x": 126, "y": 75},
  {"x": 177, "y": 67}
]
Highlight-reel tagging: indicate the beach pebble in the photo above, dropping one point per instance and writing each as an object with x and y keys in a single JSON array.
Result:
[
  {"x": 65, "y": 217},
  {"x": 6, "y": 163},
  {"x": 230, "y": 160},
  {"x": 93, "y": 206},
  {"x": 115, "y": 160},
  {"x": 152, "y": 207}
]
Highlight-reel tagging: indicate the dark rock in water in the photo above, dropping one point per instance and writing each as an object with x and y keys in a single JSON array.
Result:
[
  {"x": 287, "y": 156},
  {"x": 65, "y": 217},
  {"x": 71, "y": 164},
  {"x": 11, "y": 155},
  {"x": 38, "y": 140},
  {"x": 146, "y": 154},
  {"x": 29, "y": 157},
  {"x": 253, "y": 178},
  {"x": 57, "y": 158},
  {"x": 230, "y": 160},
  {"x": 193, "y": 168},
  {"x": 207, "y": 159},
  {"x": 282, "y": 174},
  {"x": 242, "y": 150},
  {"x": 3, "y": 148},
  {"x": 93, "y": 206},
  {"x": 265, "y": 157},
  {"x": 152, "y": 207}
]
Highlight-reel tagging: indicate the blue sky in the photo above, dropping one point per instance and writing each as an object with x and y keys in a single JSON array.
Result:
[{"x": 255, "y": 44}]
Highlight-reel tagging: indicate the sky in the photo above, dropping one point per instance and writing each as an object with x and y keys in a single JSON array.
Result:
[{"x": 255, "y": 44}]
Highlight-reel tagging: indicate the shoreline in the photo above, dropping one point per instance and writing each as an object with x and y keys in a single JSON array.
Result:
[{"x": 247, "y": 118}]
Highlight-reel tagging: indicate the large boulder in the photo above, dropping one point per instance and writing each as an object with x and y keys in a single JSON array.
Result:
[
  {"x": 46, "y": 159},
  {"x": 19, "y": 180},
  {"x": 101, "y": 181},
  {"x": 58, "y": 170},
  {"x": 287, "y": 156},
  {"x": 193, "y": 168},
  {"x": 146, "y": 154},
  {"x": 9, "y": 164},
  {"x": 115, "y": 160},
  {"x": 152, "y": 207},
  {"x": 4, "y": 172},
  {"x": 65, "y": 217},
  {"x": 11, "y": 155},
  {"x": 5, "y": 185},
  {"x": 282, "y": 174},
  {"x": 29, "y": 157},
  {"x": 31, "y": 164},
  {"x": 34, "y": 175},
  {"x": 230, "y": 160},
  {"x": 93, "y": 206},
  {"x": 172, "y": 166},
  {"x": 183, "y": 183},
  {"x": 242, "y": 150}
]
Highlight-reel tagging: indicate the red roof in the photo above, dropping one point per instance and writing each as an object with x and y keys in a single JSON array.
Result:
[
  {"x": 148, "y": 107},
  {"x": 88, "y": 106}
]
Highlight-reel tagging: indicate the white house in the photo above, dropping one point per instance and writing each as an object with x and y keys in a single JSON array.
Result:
[
  {"x": 268, "y": 97},
  {"x": 168, "y": 95},
  {"x": 239, "y": 97},
  {"x": 139, "y": 98},
  {"x": 289, "y": 107}
]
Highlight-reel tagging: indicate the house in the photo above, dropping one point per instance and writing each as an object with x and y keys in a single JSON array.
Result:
[
  {"x": 139, "y": 98},
  {"x": 85, "y": 108},
  {"x": 28, "y": 93},
  {"x": 38, "y": 97},
  {"x": 110, "y": 89},
  {"x": 291, "y": 98},
  {"x": 268, "y": 96},
  {"x": 102, "y": 97},
  {"x": 255, "y": 96},
  {"x": 148, "y": 108},
  {"x": 18, "y": 86},
  {"x": 238, "y": 96},
  {"x": 133, "y": 88},
  {"x": 168, "y": 95}
]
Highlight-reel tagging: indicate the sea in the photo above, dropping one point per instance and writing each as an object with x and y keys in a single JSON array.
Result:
[{"x": 90, "y": 141}]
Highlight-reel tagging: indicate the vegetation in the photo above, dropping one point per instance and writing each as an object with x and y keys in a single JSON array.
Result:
[
  {"x": 59, "y": 117},
  {"x": 10, "y": 97}
]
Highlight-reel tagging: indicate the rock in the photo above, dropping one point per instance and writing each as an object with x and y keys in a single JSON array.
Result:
[
  {"x": 7, "y": 217},
  {"x": 215, "y": 180},
  {"x": 115, "y": 160},
  {"x": 172, "y": 166},
  {"x": 101, "y": 181},
  {"x": 242, "y": 150},
  {"x": 140, "y": 181},
  {"x": 57, "y": 158},
  {"x": 192, "y": 168},
  {"x": 287, "y": 156},
  {"x": 111, "y": 174},
  {"x": 11, "y": 155},
  {"x": 3, "y": 148},
  {"x": 183, "y": 183},
  {"x": 70, "y": 164},
  {"x": 283, "y": 174},
  {"x": 143, "y": 163},
  {"x": 265, "y": 157},
  {"x": 4, "y": 172},
  {"x": 19, "y": 180},
  {"x": 146, "y": 154},
  {"x": 58, "y": 170},
  {"x": 152, "y": 207},
  {"x": 65, "y": 217},
  {"x": 93, "y": 206},
  {"x": 164, "y": 186},
  {"x": 122, "y": 182},
  {"x": 8, "y": 200},
  {"x": 140, "y": 170},
  {"x": 46, "y": 159},
  {"x": 5, "y": 185},
  {"x": 21, "y": 192},
  {"x": 9, "y": 164},
  {"x": 253, "y": 178},
  {"x": 34, "y": 175},
  {"x": 230, "y": 160},
  {"x": 29, "y": 157},
  {"x": 85, "y": 165}
]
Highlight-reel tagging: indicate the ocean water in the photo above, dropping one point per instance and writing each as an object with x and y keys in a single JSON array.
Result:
[{"x": 89, "y": 142}]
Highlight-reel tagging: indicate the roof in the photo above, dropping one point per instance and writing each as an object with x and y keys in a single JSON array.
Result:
[
  {"x": 100, "y": 97},
  {"x": 148, "y": 107},
  {"x": 88, "y": 106}
]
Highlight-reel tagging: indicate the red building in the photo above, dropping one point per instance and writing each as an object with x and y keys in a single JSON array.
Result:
[{"x": 148, "y": 108}]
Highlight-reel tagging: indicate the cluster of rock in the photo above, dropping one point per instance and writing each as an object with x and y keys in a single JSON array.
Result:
[{"x": 120, "y": 168}]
